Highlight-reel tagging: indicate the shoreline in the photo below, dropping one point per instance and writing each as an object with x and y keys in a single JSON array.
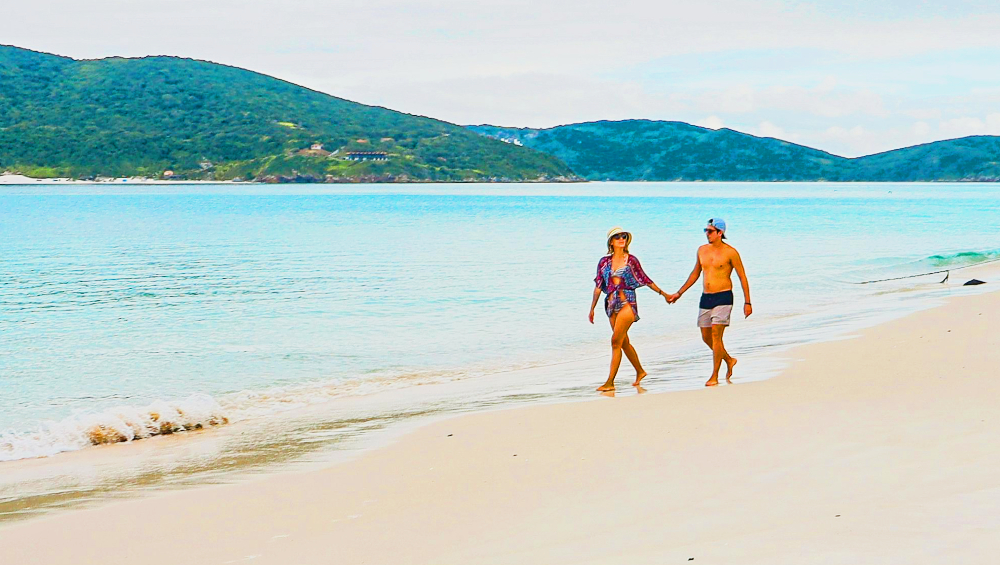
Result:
[
  {"x": 359, "y": 424},
  {"x": 754, "y": 464},
  {"x": 21, "y": 180}
]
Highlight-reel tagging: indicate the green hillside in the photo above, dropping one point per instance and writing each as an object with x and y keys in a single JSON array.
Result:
[
  {"x": 61, "y": 117},
  {"x": 644, "y": 150},
  {"x": 975, "y": 158}
]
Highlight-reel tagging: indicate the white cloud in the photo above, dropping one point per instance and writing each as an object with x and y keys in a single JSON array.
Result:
[
  {"x": 837, "y": 132},
  {"x": 921, "y": 129},
  {"x": 823, "y": 100},
  {"x": 962, "y": 126},
  {"x": 923, "y": 113},
  {"x": 767, "y": 129},
  {"x": 971, "y": 125},
  {"x": 711, "y": 122}
]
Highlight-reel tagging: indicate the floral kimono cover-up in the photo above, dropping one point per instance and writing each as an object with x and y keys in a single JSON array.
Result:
[{"x": 620, "y": 286}]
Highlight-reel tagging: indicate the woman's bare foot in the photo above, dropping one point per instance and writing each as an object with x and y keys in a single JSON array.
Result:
[
  {"x": 714, "y": 381},
  {"x": 606, "y": 387},
  {"x": 730, "y": 363},
  {"x": 639, "y": 378}
]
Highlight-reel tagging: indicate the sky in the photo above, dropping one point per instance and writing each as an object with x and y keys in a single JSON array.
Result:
[{"x": 852, "y": 77}]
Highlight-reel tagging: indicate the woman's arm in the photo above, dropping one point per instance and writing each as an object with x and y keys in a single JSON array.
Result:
[
  {"x": 593, "y": 303},
  {"x": 657, "y": 290},
  {"x": 598, "y": 285},
  {"x": 642, "y": 278}
]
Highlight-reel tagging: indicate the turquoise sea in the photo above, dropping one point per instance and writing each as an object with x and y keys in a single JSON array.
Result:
[{"x": 130, "y": 311}]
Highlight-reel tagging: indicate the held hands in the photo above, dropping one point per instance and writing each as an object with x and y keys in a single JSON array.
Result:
[{"x": 670, "y": 298}]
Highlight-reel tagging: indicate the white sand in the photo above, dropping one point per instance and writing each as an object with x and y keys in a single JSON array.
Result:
[
  {"x": 21, "y": 179},
  {"x": 880, "y": 449},
  {"x": 17, "y": 179}
]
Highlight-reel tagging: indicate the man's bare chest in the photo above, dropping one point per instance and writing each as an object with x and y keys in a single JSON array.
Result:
[{"x": 714, "y": 262}]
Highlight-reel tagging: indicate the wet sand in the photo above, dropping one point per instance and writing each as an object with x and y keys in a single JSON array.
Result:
[{"x": 880, "y": 448}]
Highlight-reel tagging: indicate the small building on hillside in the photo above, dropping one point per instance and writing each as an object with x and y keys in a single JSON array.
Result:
[
  {"x": 315, "y": 150},
  {"x": 367, "y": 155}
]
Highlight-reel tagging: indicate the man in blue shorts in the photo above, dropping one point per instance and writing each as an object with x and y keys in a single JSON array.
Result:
[{"x": 717, "y": 260}]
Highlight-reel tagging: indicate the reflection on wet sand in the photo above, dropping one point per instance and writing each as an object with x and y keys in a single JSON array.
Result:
[
  {"x": 210, "y": 456},
  {"x": 228, "y": 454},
  {"x": 316, "y": 435}
]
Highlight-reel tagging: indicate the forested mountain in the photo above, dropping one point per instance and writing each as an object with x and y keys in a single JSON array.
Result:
[
  {"x": 968, "y": 158},
  {"x": 61, "y": 117},
  {"x": 167, "y": 117},
  {"x": 634, "y": 150}
]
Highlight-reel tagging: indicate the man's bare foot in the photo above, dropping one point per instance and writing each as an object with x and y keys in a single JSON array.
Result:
[
  {"x": 730, "y": 363},
  {"x": 606, "y": 387},
  {"x": 714, "y": 381},
  {"x": 639, "y": 378}
]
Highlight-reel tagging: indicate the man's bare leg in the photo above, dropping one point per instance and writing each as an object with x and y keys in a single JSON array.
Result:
[
  {"x": 706, "y": 336},
  {"x": 622, "y": 321},
  {"x": 719, "y": 355}
]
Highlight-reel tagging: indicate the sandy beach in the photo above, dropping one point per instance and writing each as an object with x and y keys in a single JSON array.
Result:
[
  {"x": 879, "y": 448},
  {"x": 9, "y": 179}
]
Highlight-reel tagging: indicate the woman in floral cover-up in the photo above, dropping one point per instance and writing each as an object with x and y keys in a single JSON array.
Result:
[{"x": 618, "y": 275}]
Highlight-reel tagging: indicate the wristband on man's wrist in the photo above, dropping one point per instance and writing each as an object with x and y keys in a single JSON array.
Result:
[{"x": 747, "y": 304}]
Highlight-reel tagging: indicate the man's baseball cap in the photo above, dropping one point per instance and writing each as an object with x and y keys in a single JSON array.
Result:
[{"x": 719, "y": 224}]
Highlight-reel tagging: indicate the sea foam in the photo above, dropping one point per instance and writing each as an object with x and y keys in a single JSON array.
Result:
[
  {"x": 128, "y": 423},
  {"x": 113, "y": 425}
]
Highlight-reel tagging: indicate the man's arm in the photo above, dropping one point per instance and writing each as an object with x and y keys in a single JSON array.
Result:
[
  {"x": 738, "y": 265},
  {"x": 692, "y": 278}
]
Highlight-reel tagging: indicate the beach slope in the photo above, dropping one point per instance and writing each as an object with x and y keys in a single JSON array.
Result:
[{"x": 880, "y": 448}]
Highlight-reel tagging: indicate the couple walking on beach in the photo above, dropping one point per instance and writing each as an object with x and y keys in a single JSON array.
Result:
[{"x": 619, "y": 274}]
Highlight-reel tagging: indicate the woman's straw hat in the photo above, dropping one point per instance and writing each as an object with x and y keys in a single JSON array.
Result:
[{"x": 617, "y": 230}]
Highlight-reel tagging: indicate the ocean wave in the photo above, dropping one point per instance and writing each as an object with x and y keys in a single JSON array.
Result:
[
  {"x": 890, "y": 268},
  {"x": 964, "y": 258},
  {"x": 113, "y": 425}
]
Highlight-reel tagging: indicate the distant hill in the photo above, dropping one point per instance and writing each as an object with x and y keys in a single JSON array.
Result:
[
  {"x": 61, "y": 117},
  {"x": 645, "y": 150},
  {"x": 975, "y": 158}
]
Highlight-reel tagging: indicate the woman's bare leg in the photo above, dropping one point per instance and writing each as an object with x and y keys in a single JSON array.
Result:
[
  {"x": 633, "y": 358},
  {"x": 622, "y": 321},
  {"x": 630, "y": 353}
]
